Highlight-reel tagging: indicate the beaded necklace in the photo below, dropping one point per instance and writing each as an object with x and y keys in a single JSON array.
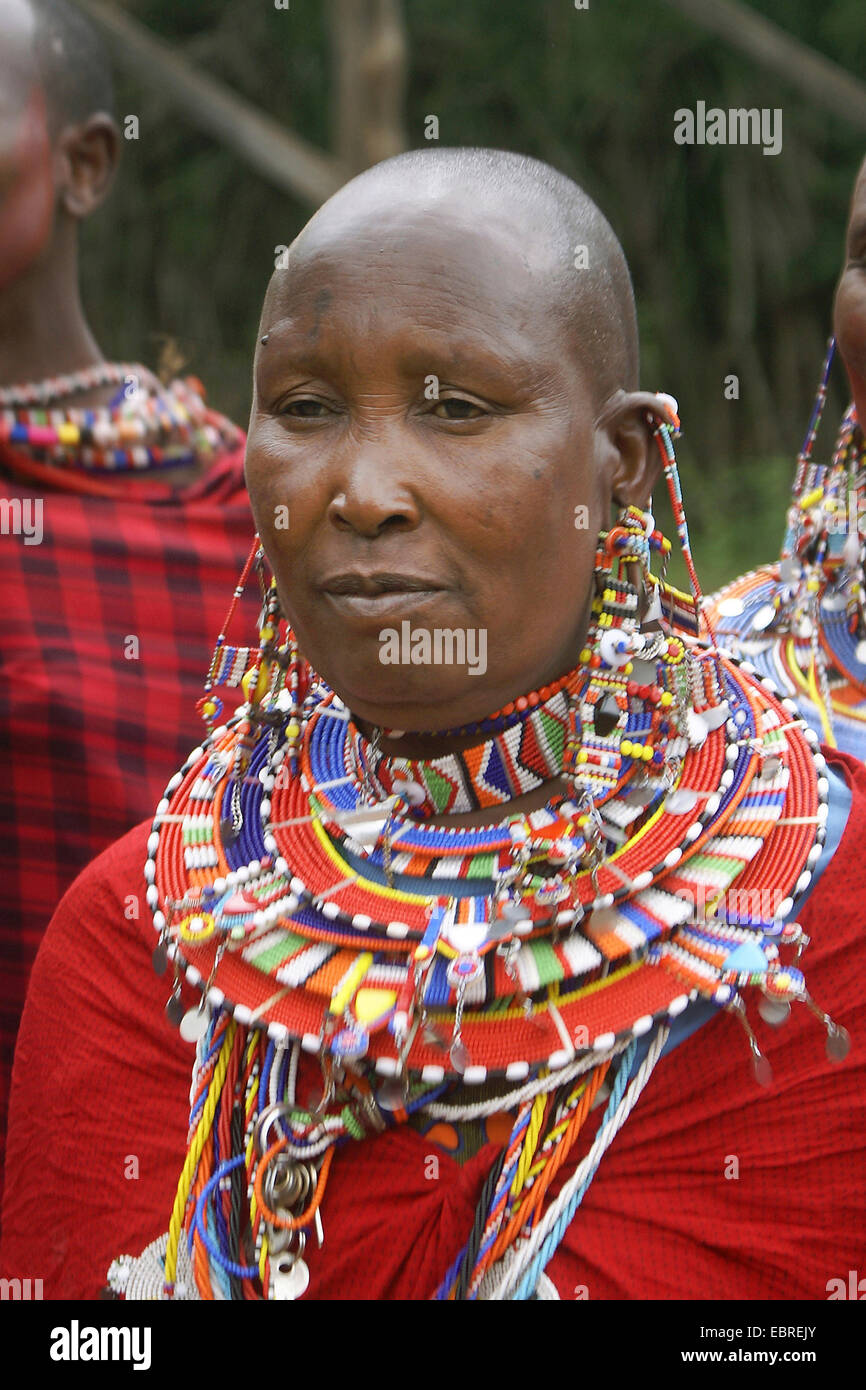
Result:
[
  {"x": 148, "y": 427},
  {"x": 802, "y": 619},
  {"x": 543, "y": 954},
  {"x": 523, "y": 755},
  {"x": 57, "y": 388}
]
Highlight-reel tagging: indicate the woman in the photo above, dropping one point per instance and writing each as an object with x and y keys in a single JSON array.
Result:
[
  {"x": 802, "y": 619},
  {"x": 448, "y": 917}
]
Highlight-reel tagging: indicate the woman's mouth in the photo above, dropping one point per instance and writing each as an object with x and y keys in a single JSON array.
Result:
[{"x": 378, "y": 595}]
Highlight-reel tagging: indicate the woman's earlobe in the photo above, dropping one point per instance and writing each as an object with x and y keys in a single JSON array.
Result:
[{"x": 91, "y": 153}]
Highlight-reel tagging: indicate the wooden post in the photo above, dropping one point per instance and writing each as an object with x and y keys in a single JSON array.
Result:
[{"x": 370, "y": 68}]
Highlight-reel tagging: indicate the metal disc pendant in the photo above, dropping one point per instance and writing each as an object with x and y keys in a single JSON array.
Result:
[
  {"x": 290, "y": 1280},
  {"x": 838, "y": 1043},
  {"x": 679, "y": 802},
  {"x": 159, "y": 958},
  {"x": 731, "y": 608},
  {"x": 459, "y": 1055},
  {"x": 389, "y": 1096},
  {"x": 194, "y": 1024},
  {"x": 774, "y": 1011},
  {"x": 763, "y": 1071},
  {"x": 174, "y": 1010},
  {"x": 764, "y": 616}
]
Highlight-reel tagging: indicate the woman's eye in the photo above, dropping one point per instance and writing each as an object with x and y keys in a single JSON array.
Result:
[
  {"x": 305, "y": 408},
  {"x": 456, "y": 408}
]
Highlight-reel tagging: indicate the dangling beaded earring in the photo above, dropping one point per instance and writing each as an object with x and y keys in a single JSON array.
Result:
[
  {"x": 274, "y": 668},
  {"x": 666, "y": 430},
  {"x": 823, "y": 498},
  {"x": 702, "y": 704},
  {"x": 639, "y": 655},
  {"x": 298, "y": 686},
  {"x": 228, "y": 664}
]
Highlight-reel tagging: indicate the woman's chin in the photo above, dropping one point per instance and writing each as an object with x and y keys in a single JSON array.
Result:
[{"x": 410, "y": 698}]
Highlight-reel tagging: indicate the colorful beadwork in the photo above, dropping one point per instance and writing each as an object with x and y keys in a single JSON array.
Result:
[
  {"x": 416, "y": 961},
  {"x": 802, "y": 620},
  {"x": 149, "y": 427}
]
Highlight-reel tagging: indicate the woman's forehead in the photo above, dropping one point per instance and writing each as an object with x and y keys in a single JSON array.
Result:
[
  {"x": 445, "y": 275},
  {"x": 427, "y": 245}
]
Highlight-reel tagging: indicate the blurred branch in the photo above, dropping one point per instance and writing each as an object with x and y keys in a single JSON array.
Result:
[
  {"x": 822, "y": 81},
  {"x": 368, "y": 44},
  {"x": 285, "y": 159}
]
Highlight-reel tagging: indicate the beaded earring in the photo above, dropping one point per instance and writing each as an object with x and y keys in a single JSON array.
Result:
[
  {"x": 274, "y": 677},
  {"x": 633, "y": 650},
  {"x": 820, "y": 572},
  {"x": 228, "y": 664},
  {"x": 298, "y": 685}
]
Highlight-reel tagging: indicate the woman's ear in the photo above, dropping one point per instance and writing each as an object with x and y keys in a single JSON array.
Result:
[
  {"x": 624, "y": 431},
  {"x": 90, "y": 154}
]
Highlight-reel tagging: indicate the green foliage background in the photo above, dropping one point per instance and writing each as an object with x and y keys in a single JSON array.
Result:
[{"x": 734, "y": 254}]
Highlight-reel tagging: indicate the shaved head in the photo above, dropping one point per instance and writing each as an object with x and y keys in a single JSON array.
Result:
[
  {"x": 72, "y": 63},
  {"x": 442, "y": 398},
  {"x": 570, "y": 253}
]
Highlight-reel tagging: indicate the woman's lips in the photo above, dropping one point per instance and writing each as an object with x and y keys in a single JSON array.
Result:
[{"x": 386, "y": 604}]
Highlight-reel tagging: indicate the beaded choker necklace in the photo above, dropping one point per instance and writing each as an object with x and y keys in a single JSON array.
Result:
[
  {"x": 147, "y": 427},
  {"x": 526, "y": 753},
  {"x": 802, "y": 619},
  {"x": 410, "y": 960}
]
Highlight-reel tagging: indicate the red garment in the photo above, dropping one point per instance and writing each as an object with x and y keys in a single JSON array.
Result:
[
  {"x": 100, "y": 1092},
  {"x": 89, "y": 732}
]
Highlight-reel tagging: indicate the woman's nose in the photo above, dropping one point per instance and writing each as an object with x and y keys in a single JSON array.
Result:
[{"x": 373, "y": 495}]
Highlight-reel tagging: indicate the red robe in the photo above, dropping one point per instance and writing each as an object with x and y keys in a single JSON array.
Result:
[
  {"x": 107, "y": 627},
  {"x": 714, "y": 1188}
]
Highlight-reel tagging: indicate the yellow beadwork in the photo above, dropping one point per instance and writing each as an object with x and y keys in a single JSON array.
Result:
[{"x": 199, "y": 1139}]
